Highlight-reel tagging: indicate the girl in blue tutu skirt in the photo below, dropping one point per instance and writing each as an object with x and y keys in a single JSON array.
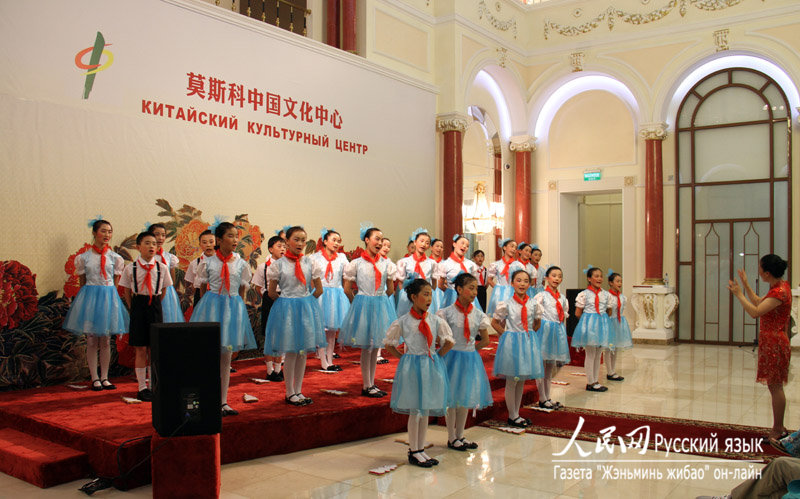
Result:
[
  {"x": 333, "y": 301},
  {"x": 417, "y": 265},
  {"x": 223, "y": 279},
  {"x": 447, "y": 270},
  {"x": 552, "y": 308},
  {"x": 592, "y": 332},
  {"x": 468, "y": 383},
  {"x": 170, "y": 304},
  {"x": 97, "y": 311},
  {"x": 518, "y": 357},
  {"x": 500, "y": 274},
  {"x": 294, "y": 326},
  {"x": 619, "y": 332},
  {"x": 371, "y": 311},
  {"x": 420, "y": 387}
]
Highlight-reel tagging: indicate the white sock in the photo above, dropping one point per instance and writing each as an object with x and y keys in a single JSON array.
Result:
[
  {"x": 291, "y": 360},
  {"x": 225, "y": 374},
  {"x": 141, "y": 377},
  {"x": 270, "y": 367},
  {"x": 277, "y": 366},
  {"x": 450, "y": 418},
  {"x": 373, "y": 365},
  {"x": 519, "y": 389},
  {"x": 299, "y": 373},
  {"x": 611, "y": 362},
  {"x": 423, "y": 430},
  {"x": 91, "y": 355},
  {"x": 588, "y": 365},
  {"x": 511, "y": 398},
  {"x": 105, "y": 356},
  {"x": 541, "y": 386},
  {"x": 461, "y": 421},
  {"x": 323, "y": 357},
  {"x": 413, "y": 429},
  {"x": 330, "y": 336},
  {"x": 596, "y": 374},
  {"x": 365, "y": 360}
]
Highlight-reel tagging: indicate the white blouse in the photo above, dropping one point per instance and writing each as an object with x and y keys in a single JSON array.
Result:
[
  {"x": 88, "y": 264},
  {"x": 511, "y": 312},
  {"x": 363, "y": 274},
  {"x": 585, "y": 300},
  {"x": 546, "y": 306},
  {"x": 407, "y": 328},
  {"x": 478, "y": 321},
  {"x": 282, "y": 271}
]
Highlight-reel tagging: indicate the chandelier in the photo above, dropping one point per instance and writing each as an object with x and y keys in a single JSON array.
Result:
[{"x": 480, "y": 216}]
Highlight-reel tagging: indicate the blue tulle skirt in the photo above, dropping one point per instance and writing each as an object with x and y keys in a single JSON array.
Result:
[
  {"x": 420, "y": 385},
  {"x": 499, "y": 294},
  {"x": 334, "y": 304},
  {"x": 553, "y": 341},
  {"x": 450, "y": 297},
  {"x": 591, "y": 331},
  {"x": 294, "y": 325},
  {"x": 171, "y": 306},
  {"x": 619, "y": 334},
  {"x": 97, "y": 310},
  {"x": 367, "y": 321},
  {"x": 468, "y": 383},
  {"x": 518, "y": 356},
  {"x": 236, "y": 333}
]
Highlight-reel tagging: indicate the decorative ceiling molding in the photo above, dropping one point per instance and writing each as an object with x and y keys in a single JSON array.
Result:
[
  {"x": 511, "y": 24},
  {"x": 612, "y": 15}
]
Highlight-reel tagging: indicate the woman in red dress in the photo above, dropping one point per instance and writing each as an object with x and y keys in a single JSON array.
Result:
[{"x": 773, "y": 341}]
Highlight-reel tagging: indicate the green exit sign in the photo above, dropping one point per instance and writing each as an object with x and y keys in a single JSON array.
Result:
[{"x": 592, "y": 175}]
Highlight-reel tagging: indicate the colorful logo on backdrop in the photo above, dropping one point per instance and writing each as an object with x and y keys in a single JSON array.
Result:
[{"x": 97, "y": 51}]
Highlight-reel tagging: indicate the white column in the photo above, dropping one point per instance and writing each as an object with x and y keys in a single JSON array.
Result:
[{"x": 654, "y": 305}]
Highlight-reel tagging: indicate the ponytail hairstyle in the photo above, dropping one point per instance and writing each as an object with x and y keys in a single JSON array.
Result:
[{"x": 416, "y": 286}]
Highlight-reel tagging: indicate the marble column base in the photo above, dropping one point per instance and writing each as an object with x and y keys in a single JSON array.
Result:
[{"x": 654, "y": 306}]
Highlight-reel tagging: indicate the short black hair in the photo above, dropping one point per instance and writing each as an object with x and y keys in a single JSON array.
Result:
[
  {"x": 476, "y": 252},
  {"x": 773, "y": 264},
  {"x": 142, "y": 235},
  {"x": 272, "y": 240},
  {"x": 205, "y": 233},
  {"x": 550, "y": 269},
  {"x": 416, "y": 286},
  {"x": 463, "y": 279},
  {"x": 520, "y": 271}
]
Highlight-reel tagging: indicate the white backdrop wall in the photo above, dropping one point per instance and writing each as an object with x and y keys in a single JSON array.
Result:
[{"x": 65, "y": 159}]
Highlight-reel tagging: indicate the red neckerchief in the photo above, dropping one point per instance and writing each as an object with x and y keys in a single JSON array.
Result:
[
  {"x": 559, "y": 308},
  {"x": 596, "y": 297},
  {"x": 225, "y": 273},
  {"x": 148, "y": 282},
  {"x": 508, "y": 264},
  {"x": 465, "y": 311},
  {"x": 481, "y": 272},
  {"x": 366, "y": 257},
  {"x": 458, "y": 261},
  {"x": 160, "y": 253},
  {"x": 524, "y": 313},
  {"x": 424, "y": 328},
  {"x": 439, "y": 260},
  {"x": 619, "y": 303},
  {"x": 417, "y": 266},
  {"x": 329, "y": 270},
  {"x": 298, "y": 269},
  {"x": 102, "y": 253}
]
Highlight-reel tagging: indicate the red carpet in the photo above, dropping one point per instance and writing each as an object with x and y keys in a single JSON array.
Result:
[
  {"x": 563, "y": 423},
  {"x": 97, "y": 423}
]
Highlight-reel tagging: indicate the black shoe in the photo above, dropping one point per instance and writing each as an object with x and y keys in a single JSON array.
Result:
[
  {"x": 273, "y": 376},
  {"x": 145, "y": 395},
  {"x": 433, "y": 461},
  {"x": 369, "y": 392},
  {"x": 614, "y": 377},
  {"x": 336, "y": 356},
  {"x": 295, "y": 400},
  {"x": 518, "y": 423},
  {"x": 97, "y": 386},
  {"x": 468, "y": 444},
  {"x": 334, "y": 368},
  {"x": 383, "y": 393},
  {"x": 558, "y": 405},
  {"x": 280, "y": 375},
  {"x": 233, "y": 371},
  {"x": 416, "y": 462},
  {"x": 383, "y": 361},
  {"x": 457, "y": 445},
  {"x": 229, "y": 411},
  {"x": 107, "y": 385},
  {"x": 547, "y": 405},
  {"x": 306, "y": 400},
  {"x": 597, "y": 387}
]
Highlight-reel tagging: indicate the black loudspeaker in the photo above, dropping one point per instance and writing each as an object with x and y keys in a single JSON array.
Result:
[
  {"x": 184, "y": 370},
  {"x": 572, "y": 321}
]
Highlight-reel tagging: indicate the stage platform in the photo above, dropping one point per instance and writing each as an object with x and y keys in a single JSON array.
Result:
[{"x": 59, "y": 434}]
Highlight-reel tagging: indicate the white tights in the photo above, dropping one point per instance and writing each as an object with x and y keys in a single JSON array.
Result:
[
  {"x": 417, "y": 429},
  {"x": 225, "y": 374},
  {"x": 592, "y": 364},
  {"x": 93, "y": 345},
  {"x": 369, "y": 364},
  {"x": 326, "y": 353},
  {"x": 293, "y": 372},
  {"x": 456, "y": 419},
  {"x": 543, "y": 385},
  {"x": 611, "y": 362},
  {"x": 514, "y": 396}
]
